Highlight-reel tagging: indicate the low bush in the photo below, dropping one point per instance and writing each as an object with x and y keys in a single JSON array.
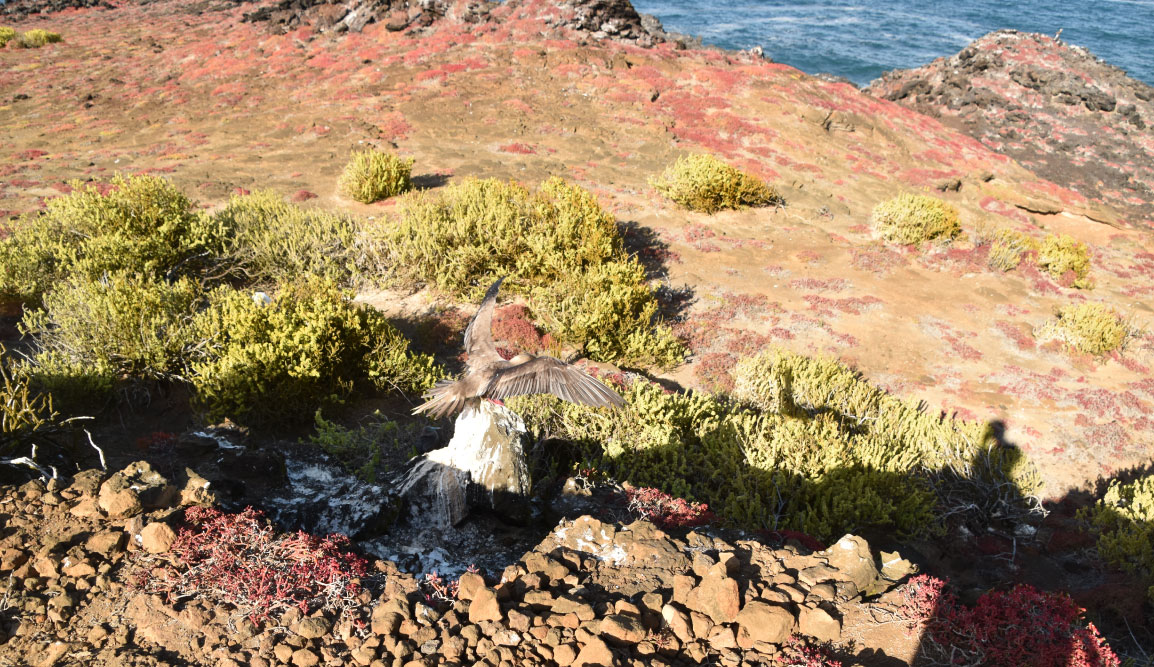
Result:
[
  {"x": 370, "y": 449},
  {"x": 6, "y": 35},
  {"x": 1067, "y": 260},
  {"x": 1024, "y": 627},
  {"x": 23, "y": 412},
  {"x": 1124, "y": 520},
  {"x": 126, "y": 325},
  {"x": 36, "y": 38},
  {"x": 701, "y": 182},
  {"x": 242, "y": 561},
  {"x": 1090, "y": 328},
  {"x": 911, "y": 219},
  {"x": 823, "y": 452},
  {"x": 270, "y": 240},
  {"x": 556, "y": 245},
  {"x": 1007, "y": 247},
  {"x": 372, "y": 176},
  {"x": 143, "y": 225},
  {"x": 308, "y": 349}
]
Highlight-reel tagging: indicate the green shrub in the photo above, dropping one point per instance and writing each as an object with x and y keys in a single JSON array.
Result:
[
  {"x": 36, "y": 38},
  {"x": 1007, "y": 247},
  {"x": 557, "y": 246},
  {"x": 1066, "y": 259},
  {"x": 368, "y": 450},
  {"x": 372, "y": 176},
  {"x": 130, "y": 325},
  {"x": 143, "y": 225},
  {"x": 270, "y": 240},
  {"x": 6, "y": 35},
  {"x": 308, "y": 349},
  {"x": 910, "y": 219},
  {"x": 1124, "y": 519},
  {"x": 701, "y": 182},
  {"x": 1090, "y": 328},
  {"x": 23, "y": 412},
  {"x": 840, "y": 455}
]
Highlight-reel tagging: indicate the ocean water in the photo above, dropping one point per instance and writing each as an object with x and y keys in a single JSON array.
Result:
[{"x": 860, "y": 39}]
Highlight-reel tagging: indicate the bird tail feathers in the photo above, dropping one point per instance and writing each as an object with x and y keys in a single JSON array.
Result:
[{"x": 443, "y": 400}]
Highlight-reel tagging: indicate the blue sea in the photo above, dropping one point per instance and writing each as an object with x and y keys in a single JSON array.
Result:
[{"x": 860, "y": 39}]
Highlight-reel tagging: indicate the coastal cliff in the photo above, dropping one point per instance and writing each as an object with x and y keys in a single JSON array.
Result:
[{"x": 223, "y": 99}]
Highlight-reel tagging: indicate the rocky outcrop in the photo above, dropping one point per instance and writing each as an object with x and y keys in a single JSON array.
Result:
[
  {"x": 598, "y": 19},
  {"x": 590, "y": 593},
  {"x": 1054, "y": 107}
]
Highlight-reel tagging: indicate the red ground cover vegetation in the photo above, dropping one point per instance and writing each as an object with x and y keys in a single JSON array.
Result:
[
  {"x": 241, "y": 560},
  {"x": 1022, "y": 626}
]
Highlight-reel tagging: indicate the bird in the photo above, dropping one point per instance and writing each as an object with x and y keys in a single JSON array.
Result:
[{"x": 488, "y": 376}]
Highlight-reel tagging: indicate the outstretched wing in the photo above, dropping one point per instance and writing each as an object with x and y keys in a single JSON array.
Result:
[
  {"x": 479, "y": 348},
  {"x": 546, "y": 375}
]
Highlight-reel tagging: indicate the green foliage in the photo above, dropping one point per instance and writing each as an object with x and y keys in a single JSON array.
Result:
[
  {"x": 910, "y": 219},
  {"x": 701, "y": 182},
  {"x": 23, "y": 412},
  {"x": 309, "y": 348},
  {"x": 1007, "y": 247},
  {"x": 36, "y": 38},
  {"x": 1124, "y": 519},
  {"x": 557, "y": 246},
  {"x": 1060, "y": 254},
  {"x": 1090, "y": 328},
  {"x": 369, "y": 449},
  {"x": 6, "y": 35},
  {"x": 372, "y": 176},
  {"x": 125, "y": 323},
  {"x": 144, "y": 225},
  {"x": 813, "y": 448},
  {"x": 270, "y": 240}
]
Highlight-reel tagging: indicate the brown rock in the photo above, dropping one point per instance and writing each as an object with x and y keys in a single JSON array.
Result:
[
  {"x": 157, "y": 538},
  {"x": 87, "y": 508},
  {"x": 565, "y": 654},
  {"x": 678, "y": 622},
  {"x": 283, "y": 652},
  {"x": 722, "y": 637},
  {"x": 134, "y": 489},
  {"x": 595, "y": 653},
  {"x": 484, "y": 606},
  {"x": 468, "y": 585},
  {"x": 105, "y": 543},
  {"x": 759, "y": 621},
  {"x": 313, "y": 627},
  {"x": 701, "y": 624},
  {"x": 305, "y": 658},
  {"x": 717, "y": 597},
  {"x": 518, "y": 620},
  {"x": 682, "y": 585},
  {"x": 852, "y": 558},
  {"x": 623, "y": 628},
  {"x": 818, "y": 623}
]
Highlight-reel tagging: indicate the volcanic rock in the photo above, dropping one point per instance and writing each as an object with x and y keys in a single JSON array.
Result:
[{"x": 1063, "y": 113}]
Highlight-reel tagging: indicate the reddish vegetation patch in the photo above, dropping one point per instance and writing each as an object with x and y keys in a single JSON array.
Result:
[
  {"x": 1019, "y": 336},
  {"x": 303, "y": 195},
  {"x": 518, "y": 149},
  {"x": 1022, "y": 626},
  {"x": 512, "y": 326},
  {"x": 30, "y": 154},
  {"x": 239, "y": 559},
  {"x": 667, "y": 511}
]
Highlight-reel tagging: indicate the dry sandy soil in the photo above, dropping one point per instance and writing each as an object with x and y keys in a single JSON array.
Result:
[{"x": 188, "y": 90}]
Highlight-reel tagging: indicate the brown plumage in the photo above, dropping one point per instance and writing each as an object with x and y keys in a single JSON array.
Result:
[{"x": 487, "y": 375}]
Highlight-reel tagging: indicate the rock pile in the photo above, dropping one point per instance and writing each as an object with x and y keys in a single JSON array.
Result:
[
  {"x": 19, "y": 10},
  {"x": 1057, "y": 109},
  {"x": 591, "y": 593}
]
